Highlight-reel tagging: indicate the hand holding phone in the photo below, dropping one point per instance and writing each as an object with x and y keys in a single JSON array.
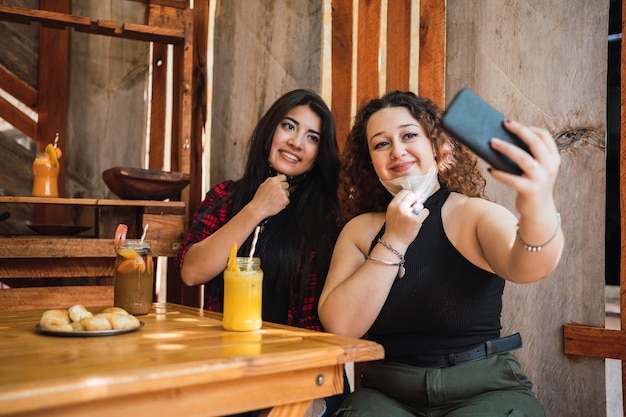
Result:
[{"x": 474, "y": 123}]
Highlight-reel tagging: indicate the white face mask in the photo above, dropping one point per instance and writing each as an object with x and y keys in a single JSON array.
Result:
[{"x": 421, "y": 185}]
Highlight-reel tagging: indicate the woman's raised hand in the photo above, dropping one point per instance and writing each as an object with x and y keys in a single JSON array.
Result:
[
  {"x": 271, "y": 197},
  {"x": 536, "y": 184},
  {"x": 402, "y": 222}
]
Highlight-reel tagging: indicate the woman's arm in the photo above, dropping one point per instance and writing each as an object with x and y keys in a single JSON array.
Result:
[
  {"x": 356, "y": 288},
  {"x": 207, "y": 259},
  {"x": 532, "y": 251}
]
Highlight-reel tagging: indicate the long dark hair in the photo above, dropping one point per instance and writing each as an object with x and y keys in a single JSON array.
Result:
[
  {"x": 309, "y": 225},
  {"x": 360, "y": 190}
]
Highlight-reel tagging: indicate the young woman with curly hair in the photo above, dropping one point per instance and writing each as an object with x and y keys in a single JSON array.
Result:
[{"x": 420, "y": 267}]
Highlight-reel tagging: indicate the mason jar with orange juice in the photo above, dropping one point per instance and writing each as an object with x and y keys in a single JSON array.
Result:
[{"x": 243, "y": 293}]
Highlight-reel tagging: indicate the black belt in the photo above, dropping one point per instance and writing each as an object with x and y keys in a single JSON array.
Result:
[{"x": 490, "y": 347}]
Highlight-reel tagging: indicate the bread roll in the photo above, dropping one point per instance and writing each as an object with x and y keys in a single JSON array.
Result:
[
  {"x": 55, "y": 320},
  {"x": 76, "y": 326},
  {"x": 121, "y": 321},
  {"x": 115, "y": 310},
  {"x": 97, "y": 322},
  {"x": 78, "y": 312}
]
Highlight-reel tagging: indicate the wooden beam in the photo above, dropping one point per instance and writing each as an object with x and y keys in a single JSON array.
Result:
[
  {"x": 54, "y": 44},
  {"x": 398, "y": 45},
  {"x": 41, "y": 247},
  {"x": 64, "y": 20},
  {"x": 16, "y": 299},
  {"x": 158, "y": 105},
  {"x": 46, "y": 268},
  {"x": 341, "y": 101},
  {"x": 432, "y": 55},
  {"x": 368, "y": 51},
  {"x": 595, "y": 342},
  {"x": 198, "y": 110},
  {"x": 17, "y": 118},
  {"x": 183, "y": 107},
  {"x": 17, "y": 88}
]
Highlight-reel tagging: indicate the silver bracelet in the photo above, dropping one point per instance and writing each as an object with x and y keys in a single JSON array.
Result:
[
  {"x": 531, "y": 248},
  {"x": 393, "y": 250},
  {"x": 383, "y": 261}
]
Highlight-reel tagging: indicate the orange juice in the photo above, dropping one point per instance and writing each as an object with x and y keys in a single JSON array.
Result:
[
  {"x": 134, "y": 279},
  {"x": 243, "y": 291},
  {"x": 45, "y": 175}
]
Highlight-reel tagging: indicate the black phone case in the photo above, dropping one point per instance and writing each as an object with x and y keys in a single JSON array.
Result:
[{"x": 474, "y": 123}]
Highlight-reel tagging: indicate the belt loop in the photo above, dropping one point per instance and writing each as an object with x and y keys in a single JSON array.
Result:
[
  {"x": 488, "y": 347},
  {"x": 451, "y": 359}
]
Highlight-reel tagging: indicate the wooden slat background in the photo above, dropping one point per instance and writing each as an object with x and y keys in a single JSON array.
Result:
[{"x": 349, "y": 94}]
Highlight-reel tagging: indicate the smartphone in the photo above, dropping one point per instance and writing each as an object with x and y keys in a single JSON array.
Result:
[{"x": 474, "y": 123}]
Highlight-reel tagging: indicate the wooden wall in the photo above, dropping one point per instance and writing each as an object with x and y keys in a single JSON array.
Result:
[
  {"x": 262, "y": 50},
  {"x": 544, "y": 63},
  {"x": 107, "y": 111}
]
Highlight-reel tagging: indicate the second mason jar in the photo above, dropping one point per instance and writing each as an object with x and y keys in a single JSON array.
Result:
[
  {"x": 134, "y": 277},
  {"x": 243, "y": 293}
]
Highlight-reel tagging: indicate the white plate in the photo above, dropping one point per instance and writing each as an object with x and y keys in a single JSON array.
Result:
[{"x": 87, "y": 333}]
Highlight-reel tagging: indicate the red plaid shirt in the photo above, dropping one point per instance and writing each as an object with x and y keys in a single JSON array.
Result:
[{"x": 206, "y": 223}]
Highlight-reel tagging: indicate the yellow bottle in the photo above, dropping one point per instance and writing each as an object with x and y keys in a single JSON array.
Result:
[{"x": 243, "y": 292}]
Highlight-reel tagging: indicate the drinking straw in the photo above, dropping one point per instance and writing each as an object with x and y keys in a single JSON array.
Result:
[
  {"x": 254, "y": 239},
  {"x": 145, "y": 230}
]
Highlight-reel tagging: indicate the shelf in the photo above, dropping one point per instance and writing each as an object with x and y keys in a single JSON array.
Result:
[
  {"x": 99, "y": 27},
  {"x": 165, "y": 220},
  {"x": 174, "y": 205}
]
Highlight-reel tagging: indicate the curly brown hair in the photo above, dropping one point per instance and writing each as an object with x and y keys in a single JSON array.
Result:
[{"x": 360, "y": 190}]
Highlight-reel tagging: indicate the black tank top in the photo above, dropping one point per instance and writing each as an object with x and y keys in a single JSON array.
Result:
[{"x": 444, "y": 304}]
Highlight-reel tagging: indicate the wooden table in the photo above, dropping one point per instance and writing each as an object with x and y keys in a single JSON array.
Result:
[{"x": 180, "y": 363}]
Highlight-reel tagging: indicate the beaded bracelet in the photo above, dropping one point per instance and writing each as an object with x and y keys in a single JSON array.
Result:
[
  {"x": 531, "y": 248},
  {"x": 393, "y": 250}
]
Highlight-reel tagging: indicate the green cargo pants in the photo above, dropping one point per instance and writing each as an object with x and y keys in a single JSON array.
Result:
[{"x": 490, "y": 387}]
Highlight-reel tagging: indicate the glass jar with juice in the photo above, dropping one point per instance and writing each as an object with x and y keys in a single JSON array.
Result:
[
  {"x": 45, "y": 175},
  {"x": 134, "y": 276},
  {"x": 243, "y": 291}
]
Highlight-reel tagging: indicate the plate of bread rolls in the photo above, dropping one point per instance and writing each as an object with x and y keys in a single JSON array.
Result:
[{"x": 79, "y": 322}]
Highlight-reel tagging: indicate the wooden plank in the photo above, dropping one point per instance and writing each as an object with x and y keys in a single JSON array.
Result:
[
  {"x": 341, "y": 102},
  {"x": 50, "y": 247},
  {"x": 432, "y": 55},
  {"x": 65, "y": 20},
  {"x": 46, "y": 268},
  {"x": 53, "y": 247},
  {"x": 158, "y": 105},
  {"x": 181, "y": 4},
  {"x": 165, "y": 16},
  {"x": 368, "y": 47},
  {"x": 165, "y": 227},
  {"x": 594, "y": 342},
  {"x": 398, "y": 44},
  {"x": 177, "y": 147},
  {"x": 184, "y": 55},
  {"x": 17, "y": 88},
  {"x": 198, "y": 110},
  {"x": 54, "y": 42},
  {"x": 17, "y": 118},
  {"x": 49, "y": 15},
  {"x": 17, "y": 299},
  {"x": 149, "y": 205},
  {"x": 152, "y": 34}
]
